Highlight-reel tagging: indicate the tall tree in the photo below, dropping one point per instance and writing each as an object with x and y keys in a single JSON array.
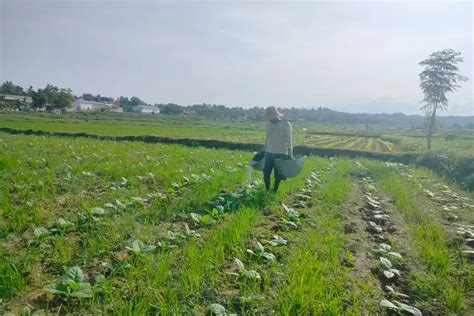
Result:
[
  {"x": 9, "y": 87},
  {"x": 30, "y": 91},
  {"x": 39, "y": 99},
  {"x": 440, "y": 76},
  {"x": 63, "y": 99}
]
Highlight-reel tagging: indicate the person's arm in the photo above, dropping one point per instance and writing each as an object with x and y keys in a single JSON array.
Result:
[
  {"x": 289, "y": 140},
  {"x": 265, "y": 146}
]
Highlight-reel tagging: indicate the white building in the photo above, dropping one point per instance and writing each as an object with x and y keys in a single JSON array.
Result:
[
  {"x": 84, "y": 105},
  {"x": 115, "y": 108},
  {"x": 19, "y": 98},
  {"x": 147, "y": 109}
]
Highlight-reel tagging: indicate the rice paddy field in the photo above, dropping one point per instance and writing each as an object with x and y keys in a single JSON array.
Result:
[{"x": 91, "y": 227}]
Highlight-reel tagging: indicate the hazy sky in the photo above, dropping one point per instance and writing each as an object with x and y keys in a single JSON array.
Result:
[{"x": 353, "y": 56}]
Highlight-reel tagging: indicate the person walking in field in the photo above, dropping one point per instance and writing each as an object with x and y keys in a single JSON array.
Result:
[{"x": 278, "y": 145}]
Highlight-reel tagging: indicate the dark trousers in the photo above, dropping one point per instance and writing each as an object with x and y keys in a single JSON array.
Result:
[{"x": 269, "y": 167}]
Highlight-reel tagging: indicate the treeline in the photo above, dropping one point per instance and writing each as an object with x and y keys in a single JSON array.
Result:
[
  {"x": 50, "y": 96},
  {"x": 318, "y": 115},
  {"x": 9, "y": 88},
  {"x": 54, "y": 97},
  {"x": 96, "y": 98}
]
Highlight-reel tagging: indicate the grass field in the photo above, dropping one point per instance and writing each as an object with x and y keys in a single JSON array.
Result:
[
  {"x": 92, "y": 226},
  {"x": 376, "y": 139}
]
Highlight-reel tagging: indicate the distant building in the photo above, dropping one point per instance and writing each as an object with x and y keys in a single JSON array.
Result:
[
  {"x": 189, "y": 112},
  {"x": 19, "y": 98},
  {"x": 147, "y": 109},
  {"x": 115, "y": 107},
  {"x": 85, "y": 105}
]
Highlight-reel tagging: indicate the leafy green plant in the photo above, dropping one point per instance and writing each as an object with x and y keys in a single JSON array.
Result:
[
  {"x": 217, "y": 310},
  {"x": 41, "y": 233},
  {"x": 292, "y": 215},
  {"x": 287, "y": 224},
  {"x": 72, "y": 285},
  {"x": 116, "y": 266},
  {"x": 139, "y": 248},
  {"x": 202, "y": 220},
  {"x": 190, "y": 232},
  {"x": 277, "y": 241},
  {"x": 260, "y": 254},
  {"x": 400, "y": 307},
  {"x": 62, "y": 223},
  {"x": 243, "y": 273}
]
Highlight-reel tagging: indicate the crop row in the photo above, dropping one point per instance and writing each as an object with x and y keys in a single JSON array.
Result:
[
  {"x": 442, "y": 279},
  {"x": 27, "y": 261},
  {"x": 352, "y": 142},
  {"x": 390, "y": 263}
]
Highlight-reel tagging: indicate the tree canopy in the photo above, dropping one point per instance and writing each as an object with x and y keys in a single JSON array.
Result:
[
  {"x": 9, "y": 88},
  {"x": 96, "y": 98},
  {"x": 128, "y": 104},
  {"x": 439, "y": 76},
  {"x": 53, "y": 97}
]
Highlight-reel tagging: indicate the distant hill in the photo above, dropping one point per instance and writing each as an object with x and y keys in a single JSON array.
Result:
[
  {"x": 320, "y": 115},
  {"x": 325, "y": 115},
  {"x": 389, "y": 105}
]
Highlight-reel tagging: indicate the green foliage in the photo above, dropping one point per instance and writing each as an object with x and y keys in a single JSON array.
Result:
[
  {"x": 440, "y": 76},
  {"x": 259, "y": 254},
  {"x": 437, "y": 279},
  {"x": 138, "y": 247},
  {"x": 459, "y": 168},
  {"x": 12, "y": 280},
  {"x": 171, "y": 109},
  {"x": 72, "y": 285},
  {"x": 52, "y": 97},
  {"x": 454, "y": 300},
  {"x": 90, "y": 201},
  {"x": 128, "y": 105},
  {"x": 96, "y": 98},
  {"x": 310, "y": 285},
  {"x": 451, "y": 159},
  {"x": 9, "y": 88},
  {"x": 39, "y": 99}
]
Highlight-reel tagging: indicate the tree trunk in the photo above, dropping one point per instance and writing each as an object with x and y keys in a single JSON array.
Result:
[{"x": 430, "y": 129}]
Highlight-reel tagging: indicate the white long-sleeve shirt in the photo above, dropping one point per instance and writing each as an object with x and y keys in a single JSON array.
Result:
[{"x": 279, "y": 138}]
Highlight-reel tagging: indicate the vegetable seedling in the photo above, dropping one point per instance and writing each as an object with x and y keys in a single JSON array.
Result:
[
  {"x": 72, "y": 285},
  {"x": 260, "y": 254},
  {"x": 138, "y": 247}
]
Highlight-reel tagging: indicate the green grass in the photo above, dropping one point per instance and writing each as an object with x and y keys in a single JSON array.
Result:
[
  {"x": 12, "y": 280},
  {"x": 52, "y": 174},
  {"x": 43, "y": 179},
  {"x": 39, "y": 166},
  {"x": 312, "y": 285},
  {"x": 179, "y": 127},
  {"x": 440, "y": 275}
]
